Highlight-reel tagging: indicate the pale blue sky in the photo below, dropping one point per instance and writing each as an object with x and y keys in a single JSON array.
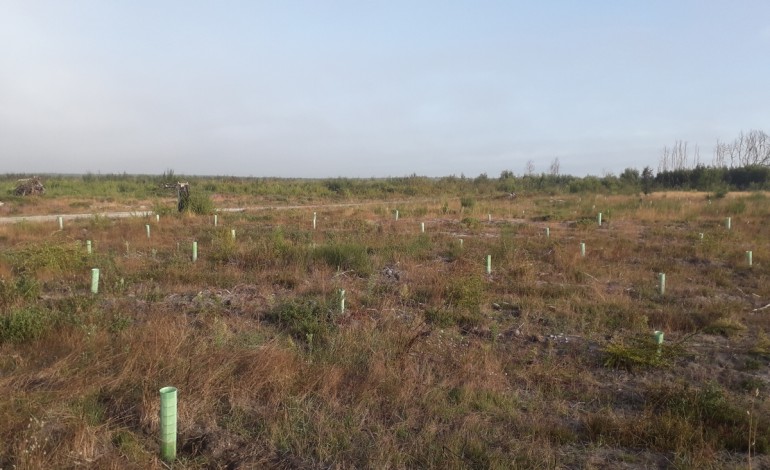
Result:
[{"x": 364, "y": 88}]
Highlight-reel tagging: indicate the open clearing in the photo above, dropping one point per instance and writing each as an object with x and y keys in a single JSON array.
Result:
[{"x": 543, "y": 358}]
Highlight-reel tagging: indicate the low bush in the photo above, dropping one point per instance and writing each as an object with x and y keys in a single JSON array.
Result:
[
  {"x": 304, "y": 319},
  {"x": 466, "y": 294},
  {"x": 23, "y": 325},
  {"x": 467, "y": 202},
  {"x": 345, "y": 257},
  {"x": 639, "y": 352},
  {"x": 53, "y": 256},
  {"x": 200, "y": 203}
]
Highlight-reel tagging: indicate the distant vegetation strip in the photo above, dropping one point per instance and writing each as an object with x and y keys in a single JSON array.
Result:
[{"x": 630, "y": 181}]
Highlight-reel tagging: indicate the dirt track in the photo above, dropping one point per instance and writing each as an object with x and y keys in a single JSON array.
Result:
[
  {"x": 51, "y": 218},
  {"x": 123, "y": 214}
]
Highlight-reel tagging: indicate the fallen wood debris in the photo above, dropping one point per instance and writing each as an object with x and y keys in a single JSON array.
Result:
[{"x": 29, "y": 187}]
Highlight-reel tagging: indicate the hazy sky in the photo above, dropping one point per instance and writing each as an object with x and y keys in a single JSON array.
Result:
[{"x": 374, "y": 88}]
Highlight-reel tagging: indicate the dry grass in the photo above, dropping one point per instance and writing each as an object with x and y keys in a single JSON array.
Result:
[{"x": 546, "y": 362}]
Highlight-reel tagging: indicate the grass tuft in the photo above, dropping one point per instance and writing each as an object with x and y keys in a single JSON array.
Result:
[
  {"x": 639, "y": 352},
  {"x": 345, "y": 257}
]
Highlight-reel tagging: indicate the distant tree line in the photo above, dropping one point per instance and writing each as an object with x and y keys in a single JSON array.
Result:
[
  {"x": 742, "y": 164},
  {"x": 705, "y": 178},
  {"x": 748, "y": 149},
  {"x": 630, "y": 181}
]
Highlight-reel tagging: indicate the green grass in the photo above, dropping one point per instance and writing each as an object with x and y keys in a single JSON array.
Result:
[{"x": 345, "y": 257}]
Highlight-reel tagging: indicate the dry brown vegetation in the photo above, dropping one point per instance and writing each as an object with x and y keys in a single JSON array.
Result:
[{"x": 547, "y": 362}]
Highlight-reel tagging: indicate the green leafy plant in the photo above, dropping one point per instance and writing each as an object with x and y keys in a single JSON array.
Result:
[
  {"x": 23, "y": 325},
  {"x": 467, "y": 202},
  {"x": 302, "y": 318},
  {"x": 200, "y": 203},
  {"x": 640, "y": 352},
  {"x": 53, "y": 256}
]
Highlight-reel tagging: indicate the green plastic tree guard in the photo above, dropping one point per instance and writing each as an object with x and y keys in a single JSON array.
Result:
[
  {"x": 95, "y": 280},
  {"x": 168, "y": 397}
]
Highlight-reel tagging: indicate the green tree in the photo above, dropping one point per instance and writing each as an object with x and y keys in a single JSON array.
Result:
[
  {"x": 630, "y": 176},
  {"x": 647, "y": 179}
]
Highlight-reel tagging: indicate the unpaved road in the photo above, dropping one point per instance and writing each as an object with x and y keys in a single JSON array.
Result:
[
  {"x": 118, "y": 215},
  {"x": 51, "y": 218}
]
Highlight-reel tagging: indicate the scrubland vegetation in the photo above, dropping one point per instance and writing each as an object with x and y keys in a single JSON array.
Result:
[{"x": 548, "y": 361}]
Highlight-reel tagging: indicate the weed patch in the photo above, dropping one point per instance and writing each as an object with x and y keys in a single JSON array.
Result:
[
  {"x": 466, "y": 294},
  {"x": 56, "y": 257},
  {"x": 467, "y": 202},
  {"x": 306, "y": 320},
  {"x": 15, "y": 291},
  {"x": 345, "y": 257},
  {"x": 640, "y": 352},
  {"x": 724, "y": 327},
  {"x": 19, "y": 326},
  {"x": 200, "y": 203}
]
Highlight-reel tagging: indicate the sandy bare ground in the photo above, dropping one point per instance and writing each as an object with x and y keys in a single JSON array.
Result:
[
  {"x": 51, "y": 218},
  {"x": 145, "y": 213}
]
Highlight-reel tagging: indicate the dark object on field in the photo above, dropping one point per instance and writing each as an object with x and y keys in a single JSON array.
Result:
[
  {"x": 391, "y": 273},
  {"x": 182, "y": 194},
  {"x": 29, "y": 187}
]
